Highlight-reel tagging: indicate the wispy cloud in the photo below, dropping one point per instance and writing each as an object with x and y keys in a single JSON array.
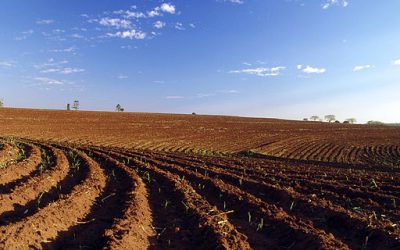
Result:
[
  {"x": 232, "y": 1},
  {"x": 261, "y": 71},
  {"x": 159, "y": 24},
  {"x": 129, "y": 34},
  {"x": 179, "y": 26},
  {"x": 48, "y": 81},
  {"x": 311, "y": 70},
  {"x": 396, "y": 62},
  {"x": 66, "y": 50},
  {"x": 168, "y": 7},
  {"x": 202, "y": 95},
  {"x": 7, "y": 64},
  {"x": 158, "y": 11},
  {"x": 122, "y": 77},
  {"x": 125, "y": 24},
  {"x": 174, "y": 97},
  {"x": 45, "y": 21},
  {"x": 52, "y": 66},
  {"x": 361, "y": 67},
  {"x": 329, "y": 3},
  {"x": 24, "y": 35},
  {"x": 115, "y": 22}
]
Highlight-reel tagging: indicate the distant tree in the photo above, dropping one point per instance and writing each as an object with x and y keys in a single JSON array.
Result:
[
  {"x": 337, "y": 121},
  {"x": 330, "y": 118},
  {"x": 76, "y": 105},
  {"x": 68, "y": 106},
  {"x": 314, "y": 118},
  {"x": 375, "y": 123},
  {"x": 351, "y": 120},
  {"x": 119, "y": 108},
  {"x": 305, "y": 119},
  {"x": 346, "y": 122},
  {"x": 1, "y": 103},
  {"x": 194, "y": 113}
]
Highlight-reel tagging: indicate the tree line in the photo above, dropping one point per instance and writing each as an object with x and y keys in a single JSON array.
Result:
[{"x": 330, "y": 118}]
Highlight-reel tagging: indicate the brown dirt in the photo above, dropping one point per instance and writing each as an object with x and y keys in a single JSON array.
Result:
[{"x": 87, "y": 180}]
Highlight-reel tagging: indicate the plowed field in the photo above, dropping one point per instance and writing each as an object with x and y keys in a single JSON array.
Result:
[{"x": 90, "y": 180}]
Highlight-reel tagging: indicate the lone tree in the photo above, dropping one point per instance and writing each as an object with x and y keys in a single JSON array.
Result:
[
  {"x": 1, "y": 103},
  {"x": 68, "y": 106},
  {"x": 330, "y": 118},
  {"x": 351, "y": 120},
  {"x": 76, "y": 105},
  {"x": 119, "y": 108},
  {"x": 314, "y": 118}
]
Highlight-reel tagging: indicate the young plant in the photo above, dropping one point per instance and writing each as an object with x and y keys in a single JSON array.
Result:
[
  {"x": 186, "y": 206},
  {"x": 249, "y": 216},
  {"x": 373, "y": 184},
  {"x": 46, "y": 161},
  {"x": 166, "y": 204},
  {"x": 260, "y": 225},
  {"x": 21, "y": 154},
  {"x": 292, "y": 206}
]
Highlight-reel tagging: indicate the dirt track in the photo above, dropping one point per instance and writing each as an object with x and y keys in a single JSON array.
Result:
[{"x": 98, "y": 194}]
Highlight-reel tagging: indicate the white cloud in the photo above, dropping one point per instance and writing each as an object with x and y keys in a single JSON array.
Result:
[
  {"x": 202, "y": 95},
  {"x": 7, "y": 64},
  {"x": 67, "y": 50},
  {"x": 311, "y": 70},
  {"x": 330, "y": 3},
  {"x": 45, "y": 21},
  {"x": 134, "y": 14},
  {"x": 68, "y": 71},
  {"x": 233, "y": 1},
  {"x": 179, "y": 26},
  {"x": 131, "y": 34},
  {"x": 361, "y": 67},
  {"x": 192, "y": 25},
  {"x": 155, "y": 12},
  {"x": 65, "y": 71},
  {"x": 115, "y": 22},
  {"x": 122, "y": 77},
  {"x": 51, "y": 63},
  {"x": 77, "y": 36},
  {"x": 25, "y": 34},
  {"x": 275, "y": 71},
  {"x": 396, "y": 62},
  {"x": 159, "y": 25},
  {"x": 172, "y": 97},
  {"x": 48, "y": 81},
  {"x": 167, "y": 7}
]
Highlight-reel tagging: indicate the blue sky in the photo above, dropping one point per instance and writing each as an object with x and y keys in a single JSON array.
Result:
[{"x": 282, "y": 58}]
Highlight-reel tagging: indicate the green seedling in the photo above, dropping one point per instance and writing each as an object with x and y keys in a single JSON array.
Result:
[
  {"x": 46, "y": 161},
  {"x": 107, "y": 197},
  {"x": 249, "y": 216},
  {"x": 260, "y": 225},
  {"x": 373, "y": 184},
  {"x": 147, "y": 176},
  {"x": 224, "y": 205},
  {"x": 21, "y": 154},
  {"x": 186, "y": 206},
  {"x": 40, "y": 199},
  {"x": 166, "y": 204},
  {"x": 292, "y": 206}
]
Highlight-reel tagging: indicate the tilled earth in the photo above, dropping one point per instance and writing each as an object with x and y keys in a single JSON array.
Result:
[
  {"x": 74, "y": 196},
  {"x": 112, "y": 190}
]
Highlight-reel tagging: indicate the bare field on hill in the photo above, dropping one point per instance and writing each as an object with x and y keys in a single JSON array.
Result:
[{"x": 94, "y": 180}]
